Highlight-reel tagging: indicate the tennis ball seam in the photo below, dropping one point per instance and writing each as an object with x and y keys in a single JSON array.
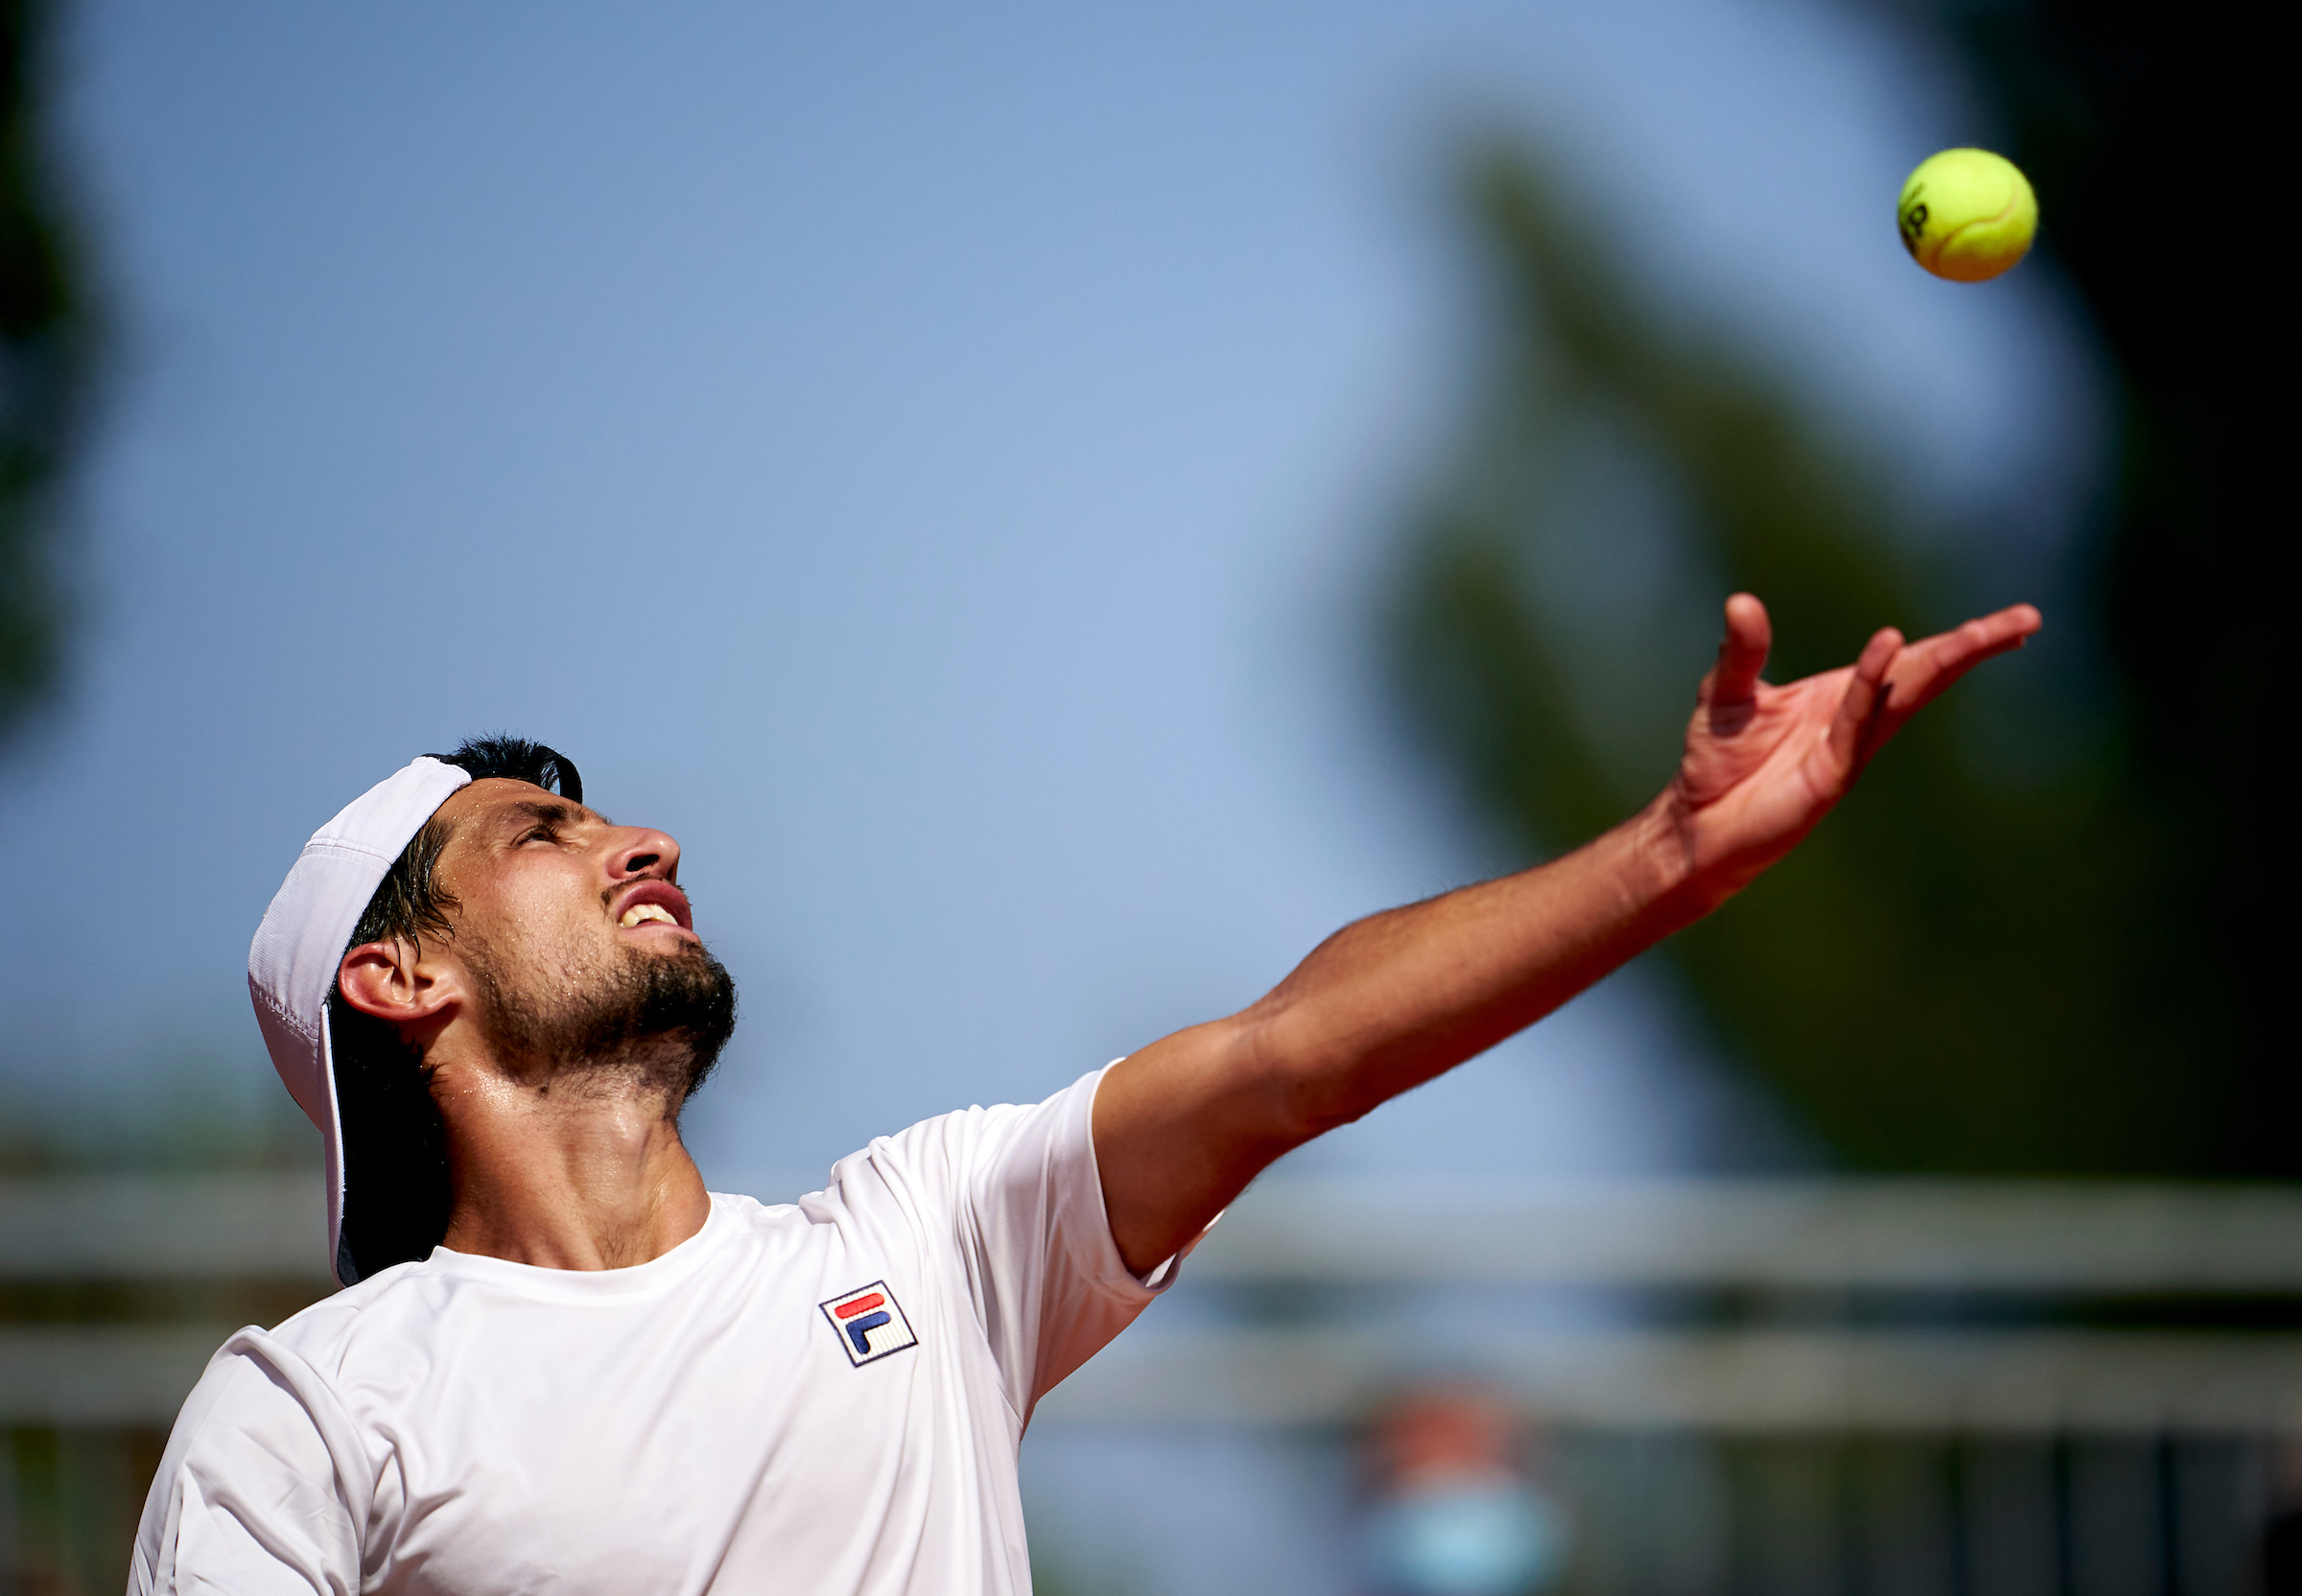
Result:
[{"x": 2013, "y": 203}]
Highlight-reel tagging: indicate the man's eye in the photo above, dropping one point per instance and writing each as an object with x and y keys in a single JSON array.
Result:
[{"x": 540, "y": 833}]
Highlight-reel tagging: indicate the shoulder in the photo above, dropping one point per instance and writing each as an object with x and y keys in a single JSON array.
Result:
[
  {"x": 929, "y": 1171},
  {"x": 263, "y": 1481},
  {"x": 328, "y": 1331},
  {"x": 972, "y": 1135},
  {"x": 252, "y": 1377},
  {"x": 278, "y": 1391},
  {"x": 263, "y": 1379}
]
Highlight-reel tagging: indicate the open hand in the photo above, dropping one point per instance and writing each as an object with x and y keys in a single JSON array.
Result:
[{"x": 1764, "y": 763}]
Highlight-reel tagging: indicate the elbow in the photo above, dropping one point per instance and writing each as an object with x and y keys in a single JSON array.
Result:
[{"x": 1308, "y": 1086}]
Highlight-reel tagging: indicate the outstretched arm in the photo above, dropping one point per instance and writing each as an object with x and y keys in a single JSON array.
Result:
[{"x": 1387, "y": 1003}]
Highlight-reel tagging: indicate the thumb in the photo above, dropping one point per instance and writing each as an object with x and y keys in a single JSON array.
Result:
[{"x": 1742, "y": 654}]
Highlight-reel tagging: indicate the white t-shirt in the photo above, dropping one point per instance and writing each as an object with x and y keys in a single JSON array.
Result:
[{"x": 817, "y": 1398}]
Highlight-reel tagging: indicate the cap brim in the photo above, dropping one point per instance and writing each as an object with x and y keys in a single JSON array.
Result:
[{"x": 330, "y": 1136}]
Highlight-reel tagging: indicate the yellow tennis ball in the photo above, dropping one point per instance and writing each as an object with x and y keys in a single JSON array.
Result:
[{"x": 1967, "y": 214}]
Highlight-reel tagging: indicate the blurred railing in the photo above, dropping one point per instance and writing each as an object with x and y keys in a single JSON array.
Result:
[
  {"x": 1786, "y": 1306},
  {"x": 115, "y": 1291},
  {"x": 1784, "y": 1386},
  {"x": 2028, "y": 1330}
]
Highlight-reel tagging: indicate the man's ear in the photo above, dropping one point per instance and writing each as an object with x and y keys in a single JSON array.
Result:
[{"x": 393, "y": 981}]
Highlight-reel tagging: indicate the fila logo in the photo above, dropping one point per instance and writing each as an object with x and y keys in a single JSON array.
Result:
[{"x": 869, "y": 1323}]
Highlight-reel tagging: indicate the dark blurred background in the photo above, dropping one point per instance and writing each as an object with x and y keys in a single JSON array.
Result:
[
  {"x": 1029, "y": 514},
  {"x": 2047, "y": 939}
]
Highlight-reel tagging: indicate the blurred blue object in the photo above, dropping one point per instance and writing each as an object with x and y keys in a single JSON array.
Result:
[{"x": 1466, "y": 1537}]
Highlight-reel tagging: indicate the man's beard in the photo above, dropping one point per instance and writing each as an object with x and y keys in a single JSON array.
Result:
[{"x": 659, "y": 1020}]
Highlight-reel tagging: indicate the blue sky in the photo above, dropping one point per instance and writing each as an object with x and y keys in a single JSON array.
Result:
[{"x": 935, "y": 465}]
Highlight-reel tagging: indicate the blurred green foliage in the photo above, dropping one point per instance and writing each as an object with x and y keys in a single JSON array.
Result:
[
  {"x": 1955, "y": 972},
  {"x": 190, "y": 1107},
  {"x": 46, "y": 344}
]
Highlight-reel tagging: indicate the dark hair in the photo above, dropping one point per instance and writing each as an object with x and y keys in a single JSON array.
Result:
[{"x": 395, "y": 1150}]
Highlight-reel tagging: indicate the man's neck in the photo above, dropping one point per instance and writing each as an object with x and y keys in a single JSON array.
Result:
[{"x": 582, "y": 1171}]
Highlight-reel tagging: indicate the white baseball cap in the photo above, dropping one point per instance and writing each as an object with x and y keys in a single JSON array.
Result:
[{"x": 292, "y": 962}]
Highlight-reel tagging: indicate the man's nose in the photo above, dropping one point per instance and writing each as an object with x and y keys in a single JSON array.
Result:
[{"x": 641, "y": 853}]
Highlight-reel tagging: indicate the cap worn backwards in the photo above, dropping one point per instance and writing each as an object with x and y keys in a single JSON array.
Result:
[{"x": 292, "y": 962}]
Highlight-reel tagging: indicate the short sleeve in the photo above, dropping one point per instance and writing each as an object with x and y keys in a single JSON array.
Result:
[
  {"x": 259, "y": 1490},
  {"x": 1051, "y": 1284},
  {"x": 1016, "y": 1189}
]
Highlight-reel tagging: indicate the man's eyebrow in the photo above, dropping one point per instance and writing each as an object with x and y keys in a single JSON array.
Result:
[{"x": 548, "y": 814}]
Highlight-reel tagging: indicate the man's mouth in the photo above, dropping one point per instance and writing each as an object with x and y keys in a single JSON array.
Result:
[{"x": 655, "y": 903}]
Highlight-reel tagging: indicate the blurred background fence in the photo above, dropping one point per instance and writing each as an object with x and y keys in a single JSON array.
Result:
[{"x": 1752, "y": 1385}]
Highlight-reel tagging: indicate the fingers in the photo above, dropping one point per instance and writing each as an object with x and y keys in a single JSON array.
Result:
[
  {"x": 1914, "y": 676},
  {"x": 1927, "y": 667},
  {"x": 1865, "y": 697},
  {"x": 2016, "y": 623},
  {"x": 1742, "y": 653}
]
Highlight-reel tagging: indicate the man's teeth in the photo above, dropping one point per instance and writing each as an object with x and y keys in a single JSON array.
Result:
[{"x": 642, "y": 913}]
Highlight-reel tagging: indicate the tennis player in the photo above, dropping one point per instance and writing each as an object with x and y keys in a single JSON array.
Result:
[{"x": 559, "y": 1364}]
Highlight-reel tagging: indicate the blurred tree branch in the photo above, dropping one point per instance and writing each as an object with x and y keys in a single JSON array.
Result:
[
  {"x": 1951, "y": 974},
  {"x": 46, "y": 345}
]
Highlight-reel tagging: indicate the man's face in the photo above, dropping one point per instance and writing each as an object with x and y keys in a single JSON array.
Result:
[{"x": 580, "y": 945}]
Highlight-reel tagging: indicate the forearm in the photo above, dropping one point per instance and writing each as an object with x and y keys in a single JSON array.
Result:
[
  {"x": 1380, "y": 1007},
  {"x": 1399, "y": 998},
  {"x": 1388, "y": 1003}
]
